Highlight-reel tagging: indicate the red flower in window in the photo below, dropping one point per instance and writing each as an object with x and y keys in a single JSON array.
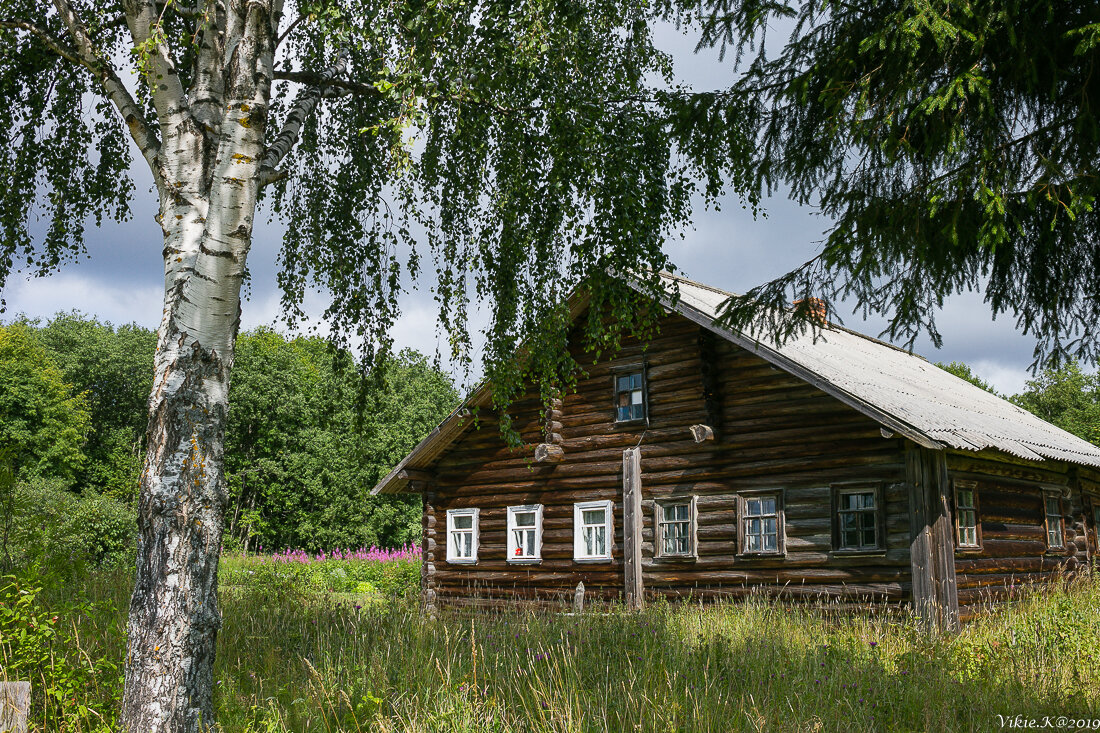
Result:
[{"x": 519, "y": 551}]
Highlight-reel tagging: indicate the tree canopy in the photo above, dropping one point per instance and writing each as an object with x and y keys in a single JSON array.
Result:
[
  {"x": 954, "y": 145},
  {"x": 305, "y": 441},
  {"x": 1066, "y": 396},
  {"x": 43, "y": 421}
]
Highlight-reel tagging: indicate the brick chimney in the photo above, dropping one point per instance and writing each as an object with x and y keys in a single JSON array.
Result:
[{"x": 819, "y": 312}]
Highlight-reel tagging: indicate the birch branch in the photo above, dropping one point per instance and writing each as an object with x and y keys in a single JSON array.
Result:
[
  {"x": 88, "y": 56},
  {"x": 303, "y": 109},
  {"x": 167, "y": 91},
  {"x": 207, "y": 93},
  {"x": 55, "y": 45}
]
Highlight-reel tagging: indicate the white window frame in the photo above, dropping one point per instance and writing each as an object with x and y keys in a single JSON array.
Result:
[
  {"x": 512, "y": 527},
  {"x": 474, "y": 543},
  {"x": 659, "y": 523},
  {"x": 579, "y": 508}
]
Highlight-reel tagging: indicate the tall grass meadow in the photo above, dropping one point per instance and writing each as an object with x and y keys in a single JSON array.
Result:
[{"x": 306, "y": 648}]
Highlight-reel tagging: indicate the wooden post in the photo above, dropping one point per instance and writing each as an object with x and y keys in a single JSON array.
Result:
[
  {"x": 632, "y": 527},
  {"x": 15, "y": 706},
  {"x": 428, "y": 551},
  {"x": 932, "y": 546}
]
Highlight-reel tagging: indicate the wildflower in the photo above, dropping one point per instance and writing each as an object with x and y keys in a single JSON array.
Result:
[{"x": 874, "y": 644}]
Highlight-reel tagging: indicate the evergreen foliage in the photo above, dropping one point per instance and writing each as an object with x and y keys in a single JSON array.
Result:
[{"x": 953, "y": 144}]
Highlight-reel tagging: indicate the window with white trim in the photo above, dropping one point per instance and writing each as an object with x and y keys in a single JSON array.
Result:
[
  {"x": 1055, "y": 522},
  {"x": 761, "y": 526},
  {"x": 592, "y": 530},
  {"x": 675, "y": 522},
  {"x": 525, "y": 533},
  {"x": 462, "y": 535}
]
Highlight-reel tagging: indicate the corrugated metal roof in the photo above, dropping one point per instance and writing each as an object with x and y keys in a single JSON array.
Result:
[
  {"x": 900, "y": 390},
  {"x": 915, "y": 397}
]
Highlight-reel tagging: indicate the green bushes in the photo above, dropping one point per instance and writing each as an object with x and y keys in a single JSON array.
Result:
[
  {"x": 71, "y": 689},
  {"x": 61, "y": 534},
  {"x": 388, "y": 578}
]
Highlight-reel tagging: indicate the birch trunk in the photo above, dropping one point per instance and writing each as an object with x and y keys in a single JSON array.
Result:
[{"x": 208, "y": 199}]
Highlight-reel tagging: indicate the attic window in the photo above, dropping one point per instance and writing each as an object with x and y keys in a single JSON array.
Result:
[{"x": 630, "y": 396}]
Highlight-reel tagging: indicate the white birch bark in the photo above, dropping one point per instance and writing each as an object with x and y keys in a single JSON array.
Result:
[
  {"x": 211, "y": 155},
  {"x": 207, "y": 153}
]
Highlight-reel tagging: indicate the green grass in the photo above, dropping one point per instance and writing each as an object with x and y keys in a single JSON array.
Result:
[{"x": 311, "y": 661}]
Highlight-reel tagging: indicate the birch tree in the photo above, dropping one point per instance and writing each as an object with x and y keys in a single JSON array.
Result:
[{"x": 517, "y": 136}]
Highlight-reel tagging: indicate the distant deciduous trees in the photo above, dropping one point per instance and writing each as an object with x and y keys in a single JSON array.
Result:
[
  {"x": 1064, "y": 395},
  {"x": 305, "y": 440}
]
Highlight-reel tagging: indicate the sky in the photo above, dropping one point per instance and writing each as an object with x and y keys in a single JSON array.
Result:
[{"x": 121, "y": 279}]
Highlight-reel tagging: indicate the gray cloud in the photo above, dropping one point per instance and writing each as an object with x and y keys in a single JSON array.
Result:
[{"x": 121, "y": 280}]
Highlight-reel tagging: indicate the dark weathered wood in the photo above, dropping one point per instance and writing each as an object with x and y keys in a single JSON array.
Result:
[
  {"x": 632, "y": 528},
  {"x": 549, "y": 453},
  {"x": 430, "y": 544},
  {"x": 932, "y": 558},
  {"x": 702, "y": 433},
  {"x": 15, "y": 706}
]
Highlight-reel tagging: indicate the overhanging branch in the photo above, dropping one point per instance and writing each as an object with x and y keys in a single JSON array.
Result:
[
  {"x": 87, "y": 55},
  {"x": 55, "y": 45},
  {"x": 303, "y": 109}
]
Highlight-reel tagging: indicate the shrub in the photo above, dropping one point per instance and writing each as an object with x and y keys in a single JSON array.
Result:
[
  {"x": 62, "y": 533},
  {"x": 70, "y": 689}
]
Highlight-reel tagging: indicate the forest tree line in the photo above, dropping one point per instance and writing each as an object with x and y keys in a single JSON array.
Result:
[
  {"x": 306, "y": 440},
  {"x": 307, "y": 436}
]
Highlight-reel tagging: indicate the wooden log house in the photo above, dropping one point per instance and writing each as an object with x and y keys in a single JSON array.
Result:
[{"x": 704, "y": 464}]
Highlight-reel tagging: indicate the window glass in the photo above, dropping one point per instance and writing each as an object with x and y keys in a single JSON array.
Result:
[
  {"x": 858, "y": 518},
  {"x": 592, "y": 531},
  {"x": 675, "y": 528},
  {"x": 523, "y": 533},
  {"x": 462, "y": 535},
  {"x": 629, "y": 397},
  {"x": 966, "y": 518},
  {"x": 1054, "y": 521},
  {"x": 760, "y": 525}
]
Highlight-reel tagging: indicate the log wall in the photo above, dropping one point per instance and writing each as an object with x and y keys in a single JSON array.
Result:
[
  {"x": 1014, "y": 553},
  {"x": 773, "y": 431},
  {"x": 769, "y": 430}
]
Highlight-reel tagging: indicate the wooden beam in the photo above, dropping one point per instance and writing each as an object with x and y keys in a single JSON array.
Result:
[
  {"x": 414, "y": 474},
  {"x": 702, "y": 433},
  {"x": 427, "y": 554},
  {"x": 632, "y": 527},
  {"x": 549, "y": 453},
  {"x": 15, "y": 706},
  {"x": 932, "y": 547}
]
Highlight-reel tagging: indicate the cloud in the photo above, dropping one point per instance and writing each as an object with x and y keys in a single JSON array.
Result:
[{"x": 120, "y": 301}]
